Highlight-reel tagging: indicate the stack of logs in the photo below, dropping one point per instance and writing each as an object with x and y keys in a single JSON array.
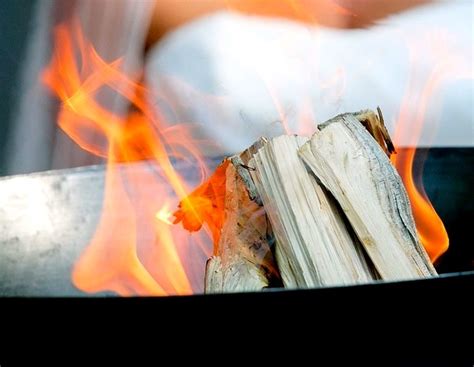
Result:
[{"x": 297, "y": 212}]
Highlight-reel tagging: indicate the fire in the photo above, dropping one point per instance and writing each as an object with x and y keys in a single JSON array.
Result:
[
  {"x": 134, "y": 250},
  {"x": 409, "y": 126},
  {"x": 164, "y": 214},
  {"x": 429, "y": 225},
  {"x": 326, "y": 12},
  {"x": 205, "y": 205}
]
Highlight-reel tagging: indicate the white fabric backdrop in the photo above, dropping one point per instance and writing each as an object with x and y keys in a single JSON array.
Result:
[
  {"x": 241, "y": 77},
  {"x": 225, "y": 72}
]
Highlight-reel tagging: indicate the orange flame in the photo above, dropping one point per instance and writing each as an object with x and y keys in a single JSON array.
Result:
[
  {"x": 321, "y": 12},
  {"x": 409, "y": 128},
  {"x": 429, "y": 225},
  {"x": 164, "y": 214},
  {"x": 134, "y": 250}
]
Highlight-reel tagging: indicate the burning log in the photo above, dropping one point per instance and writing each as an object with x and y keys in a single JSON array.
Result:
[
  {"x": 243, "y": 242},
  {"x": 336, "y": 205},
  {"x": 314, "y": 248},
  {"x": 354, "y": 169},
  {"x": 243, "y": 260}
]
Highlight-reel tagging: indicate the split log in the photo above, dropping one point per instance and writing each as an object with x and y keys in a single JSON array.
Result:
[
  {"x": 335, "y": 204},
  {"x": 353, "y": 167},
  {"x": 313, "y": 245},
  {"x": 243, "y": 259},
  {"x": 241, "y": 263}
]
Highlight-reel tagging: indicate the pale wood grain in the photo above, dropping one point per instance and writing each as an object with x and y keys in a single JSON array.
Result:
[{"x": 354, "y": 168}]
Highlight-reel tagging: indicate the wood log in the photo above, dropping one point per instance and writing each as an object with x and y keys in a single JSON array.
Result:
[
  {"x": 243, "y": 259},
  {"x": 375, "y": 125},
  {"x": 334, "y": 206},
  {"x": 354, "y": 168},
  {"x": 313, "y": 245}
]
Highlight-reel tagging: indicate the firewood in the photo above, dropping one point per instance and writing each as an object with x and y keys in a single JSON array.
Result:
[
  {"x": 375, "y": 125},
  {"x": 243, "y": 259},
  {"x": 313, "y": 245},
  {"x": 353, "y": 167},
  {"x": 329, "y": 210}
]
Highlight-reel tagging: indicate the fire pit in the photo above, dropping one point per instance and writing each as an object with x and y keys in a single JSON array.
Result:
[
  {"x": 47, "y": 219},
  {"x": 108, "y": 230}
]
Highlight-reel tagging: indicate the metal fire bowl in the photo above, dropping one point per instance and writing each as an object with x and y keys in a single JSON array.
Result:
[
  {"x": 46, "y": 221},
  {"x": 48, "y": 218}
]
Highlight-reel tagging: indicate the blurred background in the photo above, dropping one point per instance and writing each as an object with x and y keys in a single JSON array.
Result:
[
  {"x": 31, "y": 140},
  {"x": 15, "y": 21},
  {"x": 238, "y": 76}
]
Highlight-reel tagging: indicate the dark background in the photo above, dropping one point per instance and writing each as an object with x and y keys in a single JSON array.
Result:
[
  {"x": 15, "y": 23},
  {"x": 448, "y": 179}
]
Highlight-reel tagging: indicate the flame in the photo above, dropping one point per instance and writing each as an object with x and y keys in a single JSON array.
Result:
[
  {"x": 164, "y": 214},
  {"x": 409, "y": 126},
  {"x": 430, "y": 227},
  {"x": 205, "y": 205},
  {"x": 134, "y": 250},
  {"x": 328, "y": 12}
]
